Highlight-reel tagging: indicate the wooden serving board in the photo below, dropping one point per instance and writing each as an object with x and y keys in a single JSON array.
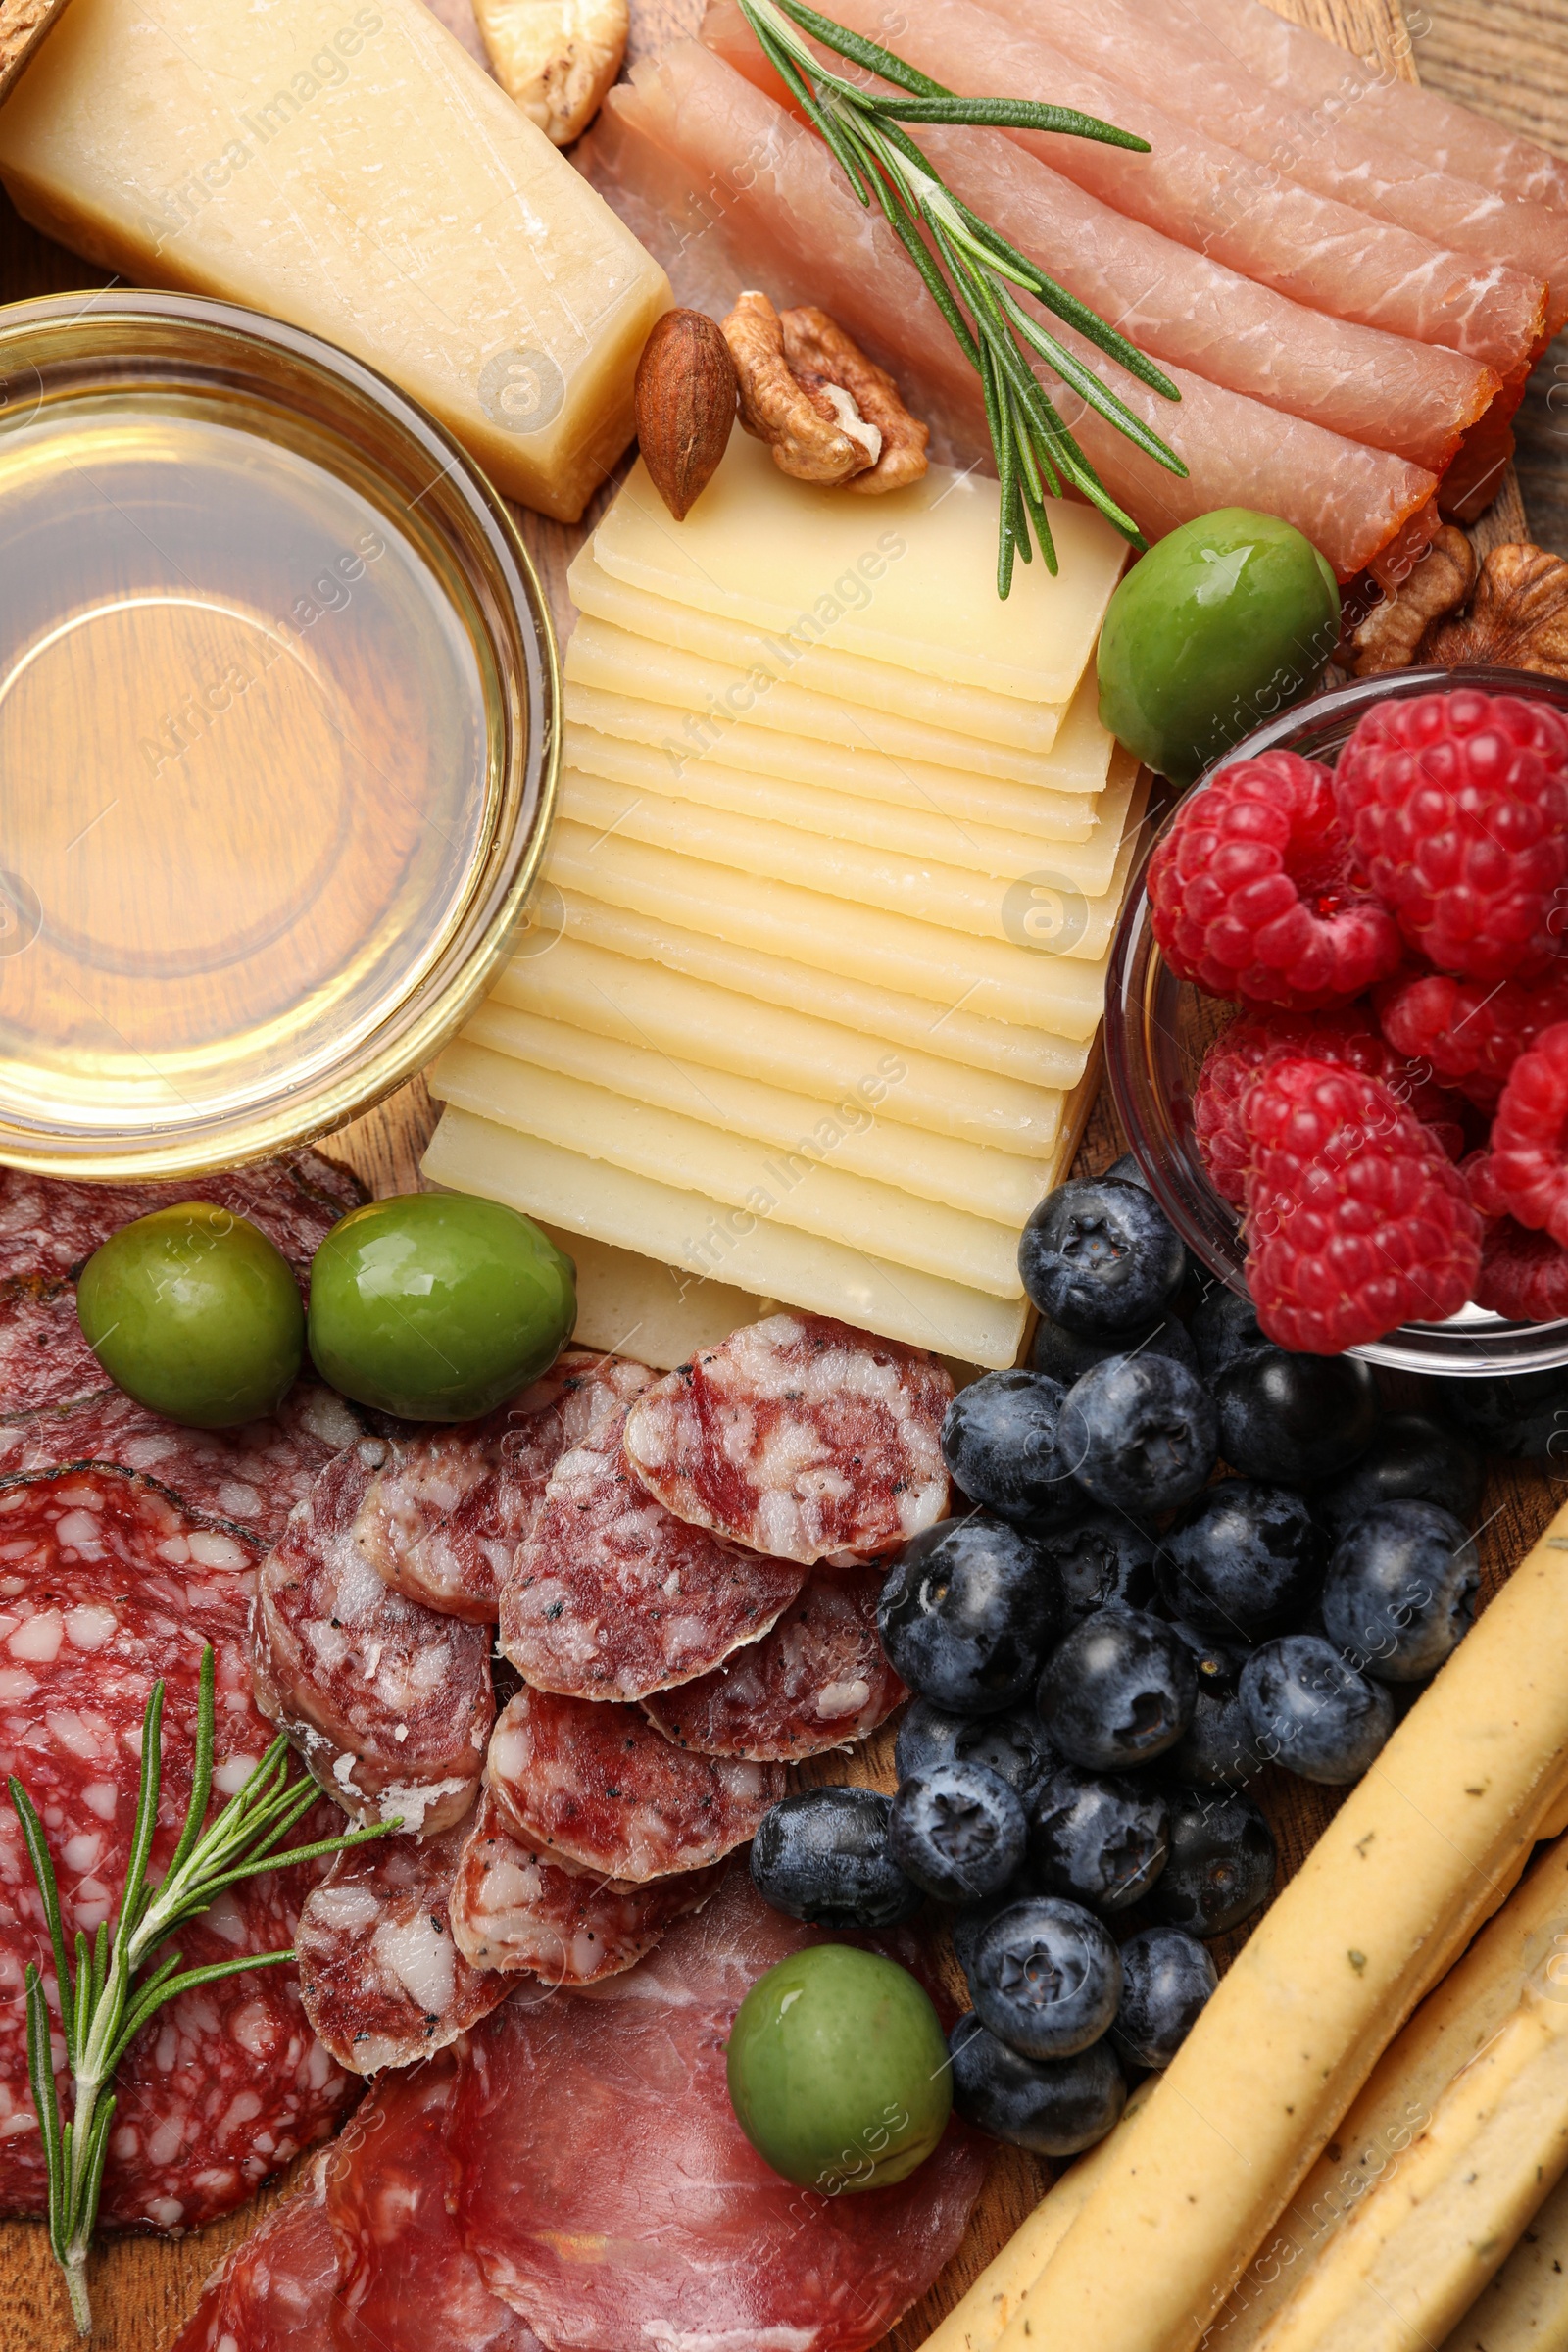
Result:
[{"x": 145, "y": 2288}]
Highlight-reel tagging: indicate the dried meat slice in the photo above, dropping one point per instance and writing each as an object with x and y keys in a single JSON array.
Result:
[
  {"x": 611, "y": 1597},
  {"x": 592, "y": 1783},
  {"x": 799, "y": 1436},
  {"x": 382, "y": 1980},
  {"x": 50, "y": 1226},
  {"x": 516, "y": 1909},
  {"x": 443, "y": 1520},
  {"x": 390, "y": 1704},
  {"x": 44, "y": 1358},
  {"x": 276, "y": 2289},
  {"x": 817, "y": 1681},
  {"x": 653, "y": 2223}
]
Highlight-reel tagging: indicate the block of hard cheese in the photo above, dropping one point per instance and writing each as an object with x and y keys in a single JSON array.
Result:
[
  {"x": 728, "y": 1244},
  {"x": 350, "y": 169},
  {"x": 1416, "y": 1856},
  {"x": 908, "y": 578},
  {"x": 628, "y": 1304}
]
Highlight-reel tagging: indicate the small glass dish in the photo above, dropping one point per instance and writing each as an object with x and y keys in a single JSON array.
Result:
[
  {"x": 1157, "y": 1029},
  {"x": 278, "y": 735}
]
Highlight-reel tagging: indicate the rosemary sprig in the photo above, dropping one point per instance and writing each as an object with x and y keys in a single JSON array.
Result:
[
  {"x": 107, "y": 2001},
  {"x": 971, "y": 271}
]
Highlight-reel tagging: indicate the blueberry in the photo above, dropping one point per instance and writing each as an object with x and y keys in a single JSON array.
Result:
[
  {"x": 1217, "y": 1749},
  {"x": 1103, "y": 1841},
  {"x": 1221, "y": 1862},
  {"x": 1054, "y": 2106},
  {"x": 1066, "y": 1355},
  {"x": 1311, "y": 1711},
  {"x": 1046, "y": 1976},
  {"x": 966, "y": 1613},
  {"x": 1014, "y": 1745},
  {"x": 1412, "y": 1458},
  {"x": 1294, "y": 1417},
  {"x": 1105, "y": 1560},
  {"x": 1166, "y": 1977},
  {"x": 968, "y": 1926},
  {"x": 825, "y": 1856},
  {"x": 1216, "y": 1662},
  {"x": 1223, "y": 1329},
  {"x": 1521, "y": 1414},
  {"x": 1140, "y": 1433},
  {"x": 998, "y": 1441},
  {"x": 1118, "y": 1690},
  {"x": 1125, "y": 1170},
  {"x": 1100, "y": 1257},
  {"x": 1400, "y": 1593},
  {"x": 957, "y": 1830},
  {"x": 1243, "y": 1561}
]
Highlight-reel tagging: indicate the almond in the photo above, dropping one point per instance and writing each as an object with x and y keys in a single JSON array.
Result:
[{"x": 685, "y": 403}]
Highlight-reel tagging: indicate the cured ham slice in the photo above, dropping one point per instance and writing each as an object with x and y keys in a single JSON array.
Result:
[
  {"x": 516, "y": 1909},
  {"x": 651, "y": 2222},
  {"x": 50, "y": 1226},
  {"x": 274, "y": 2293},
  {"x": 442, "y": 1522},
  {"x": 612, "y": 1596},
  {"x": 783, "y": 219},
  {"x": 389, "y": 1704},
  {"x": 801, "y": 1437},
  {"x": 817, "y": 1681},
  {"x": 383, "y": 1981},
  {"x": 44, "y": 1359},
  {"x": 594, "y": 1784}
]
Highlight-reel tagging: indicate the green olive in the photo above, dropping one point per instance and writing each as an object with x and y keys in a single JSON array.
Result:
[
  {"x": 438, "y": 1307},
  {"x": 195, "y": 1314},
  {"x": 1217, "y": 629},
  {"x": 838, "y": 2070}
]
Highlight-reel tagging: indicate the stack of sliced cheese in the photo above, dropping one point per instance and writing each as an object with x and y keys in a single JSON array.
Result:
[{"x": 809, "y": 994}]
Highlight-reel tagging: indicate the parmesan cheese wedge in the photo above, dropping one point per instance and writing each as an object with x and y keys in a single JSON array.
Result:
[
  {"x": 816, "y": 663},
  {"x": 695, "y": 1232},
  {"x": 798, "y": 1185}
]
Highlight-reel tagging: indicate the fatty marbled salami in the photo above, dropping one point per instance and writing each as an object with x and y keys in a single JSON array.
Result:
[
  {"x": 516, "y": 1909},
  {"x": 44, "y": 1358},
  {"x": 592, "y": 1783},
  {"x": 50, "y": 1226},
  {"x": 443, "y": 1520},
  {"x": 817, "y": 1681},
  {"x": 383, "y": 1981},
  {"x": 799, "y": 1436},
  {"x": 389, "y": 1704},
  {"x": 611, "y": 1597}
]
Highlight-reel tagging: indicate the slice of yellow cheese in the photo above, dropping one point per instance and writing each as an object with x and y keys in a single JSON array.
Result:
[
  {"x": 901, "y": 692},
  {"x": 950, "y": 836},
  {"x": 844, "y": 1129},
  {"x": 798, "y": 1185},
  {"x": 908, "y": 578},
  {"x": 706, "y": 702},
  {"x": 695, "y": 1021},
  {"x": 628, "y": 1304},
  {"x": 715, "y": 1242}
]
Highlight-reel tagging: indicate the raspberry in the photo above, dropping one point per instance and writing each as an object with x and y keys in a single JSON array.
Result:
[
  {"x": 1523, "y": 1275},
  {"x": 1470, "y": 1031},
  {"x": 1479, "y": 1171},
  {"x": 1346, "y": 1037},
  {"x": 1355, "y": 1222},
  {"x": 1251, "y": 892},
  {"x": 1529, "y": 1151},
  {"x": 1456, "y": 809}
]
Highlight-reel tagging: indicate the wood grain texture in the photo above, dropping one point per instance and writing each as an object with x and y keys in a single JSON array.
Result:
[{"x": 1508, "y": 57}]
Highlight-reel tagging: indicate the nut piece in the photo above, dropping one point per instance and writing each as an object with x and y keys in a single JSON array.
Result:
[
  {"x": 819, "y": 352},
  {"x": 557, "y": 57},
  {"x": 1518, "y": 616},
  {"x": 684, "y": 398},
  {"x": 1437, "y": 583}
]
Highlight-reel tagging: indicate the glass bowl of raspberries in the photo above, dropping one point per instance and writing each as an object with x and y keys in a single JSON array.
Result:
[{"x": 1337, "y": 1022}]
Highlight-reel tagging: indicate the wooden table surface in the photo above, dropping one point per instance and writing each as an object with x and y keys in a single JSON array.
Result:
[{"x": 1508, "y": 58}]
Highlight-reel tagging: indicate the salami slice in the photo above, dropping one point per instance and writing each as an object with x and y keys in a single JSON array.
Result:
[
  {"x": 594, "y": 1784},
  {"x": 516, "y": 1909},
  {"x": 249, "y": 1477},
  {"x": 442, "y": 1522},
  {"x": 389, "y": 1704},
  {"x": 275, "y": 2291},
  {"x": 651, "y": 2224},
  {"x": 407, "y": 2283},
  {"x": 612, "y": 1596},
  {"x": 44, "y": 1359},
  {"x": 50, "y": 1226},
  {"x": 817, "y": 1681},
  {"x": 799, "y": 1436},
  {"x": 383, "y": 1982}
]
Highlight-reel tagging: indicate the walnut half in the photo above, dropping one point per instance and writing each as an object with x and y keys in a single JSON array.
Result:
[
  {"x": 829, "y": 414},
  {"x": 1518, "y": 616}
]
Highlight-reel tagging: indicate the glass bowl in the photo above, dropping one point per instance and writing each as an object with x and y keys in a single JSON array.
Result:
[
  {"x": 1157, "y": 1029},
  {"x": 278, "y": 735}
]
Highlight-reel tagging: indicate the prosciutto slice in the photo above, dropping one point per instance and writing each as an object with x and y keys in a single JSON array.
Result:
[
  {"x": 275, "y": 2291},
  {"x": 651, "y": 2224}
]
